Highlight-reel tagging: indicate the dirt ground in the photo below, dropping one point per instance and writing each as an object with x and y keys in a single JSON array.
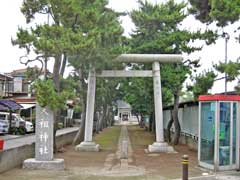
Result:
[
  {"x": 165, "y": 164},
  {"x": 100, "y": 165}
]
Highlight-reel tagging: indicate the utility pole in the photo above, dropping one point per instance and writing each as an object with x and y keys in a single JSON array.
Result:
[
  {"x": 46, "y": 59},
  {"x": 227, "y": 37}
]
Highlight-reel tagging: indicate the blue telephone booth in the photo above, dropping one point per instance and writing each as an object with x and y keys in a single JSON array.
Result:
[{"x": 218, "y": 144}]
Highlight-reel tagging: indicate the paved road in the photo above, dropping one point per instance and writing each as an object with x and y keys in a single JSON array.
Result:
[
  {"x": 235, "y": 176},
  {"x": 29, "y": 139},
  {"x": 228, "y": 175}
]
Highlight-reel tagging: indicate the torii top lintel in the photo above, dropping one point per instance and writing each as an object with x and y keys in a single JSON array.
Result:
[{"x": 141, "y": 58}]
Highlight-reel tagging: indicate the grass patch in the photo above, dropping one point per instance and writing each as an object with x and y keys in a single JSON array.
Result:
[
  {"x": 139, "y": 136},
  {"x": 108, "y": 138}
]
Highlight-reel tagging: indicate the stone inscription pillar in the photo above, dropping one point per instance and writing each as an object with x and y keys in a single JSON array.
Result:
[
  {"x": 44, "y": 134},
  {"x": 44, "y": 158},
  {"x": 159, "y": 145},
  {"x": 88, "y": 144}
]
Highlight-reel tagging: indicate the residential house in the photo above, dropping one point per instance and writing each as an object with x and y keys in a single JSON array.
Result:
[{"x": 6, "y": 85}]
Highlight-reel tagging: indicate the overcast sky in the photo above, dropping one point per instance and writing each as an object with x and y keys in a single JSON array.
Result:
[{"x": 11, "y": 18}]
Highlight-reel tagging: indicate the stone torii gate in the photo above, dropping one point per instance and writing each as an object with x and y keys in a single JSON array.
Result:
[{"x": 160, "y": 145}]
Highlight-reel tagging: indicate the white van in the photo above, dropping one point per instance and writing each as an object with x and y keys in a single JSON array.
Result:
[
  {"x": 3, "y": 126},
  {"x": 17, "y": 121}
]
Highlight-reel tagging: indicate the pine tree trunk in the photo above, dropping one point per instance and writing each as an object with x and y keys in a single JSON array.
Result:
[
  {"x": 80, "y": 134},
  {"x": 168, "y": 133},
  {"x": 104, "y": 116},
  {"x": 63, "y": 64},
  {"x": 151, "y": 119},
  {"x": 96, "y": 118},
  {"x": 177, "y": 126},
  {"x": 56, "y": 80},
  {"x": 101, "y": 119},
  {"x": 138, "y": 119},
  {"x": 153, "y": 123},
  {"x": 100, "y": 125},
  {"x": 111, "y": 118},
  {"x": 107, "y": 117},
  {"x": 141, "y": 121}
]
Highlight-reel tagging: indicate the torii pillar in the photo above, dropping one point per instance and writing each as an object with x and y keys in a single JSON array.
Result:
[
  {"x": 88, "y": 144},
  {"x": 160, "y": 145}
]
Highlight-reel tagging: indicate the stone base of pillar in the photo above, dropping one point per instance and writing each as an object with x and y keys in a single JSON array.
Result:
[
  {"x": 160, "y": 147},
  {"x": 87, "y": 147},
  {"x": 55, "y": 164}
]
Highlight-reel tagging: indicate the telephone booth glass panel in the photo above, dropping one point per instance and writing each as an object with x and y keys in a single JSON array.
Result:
[{"x": 207, "y": 132}]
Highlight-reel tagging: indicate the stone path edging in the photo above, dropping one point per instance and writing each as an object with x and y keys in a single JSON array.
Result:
[{"x": 122, "y": 168}]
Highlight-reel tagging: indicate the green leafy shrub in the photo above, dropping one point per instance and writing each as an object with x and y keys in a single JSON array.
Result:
[{"x": 47, "y": 95}]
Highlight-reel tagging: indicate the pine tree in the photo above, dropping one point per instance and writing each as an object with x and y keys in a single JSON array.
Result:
[
  {"x": 158, "y": 31},
  {"x": 223, "y": 12},
  {"x": 87, "y": 32}
]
